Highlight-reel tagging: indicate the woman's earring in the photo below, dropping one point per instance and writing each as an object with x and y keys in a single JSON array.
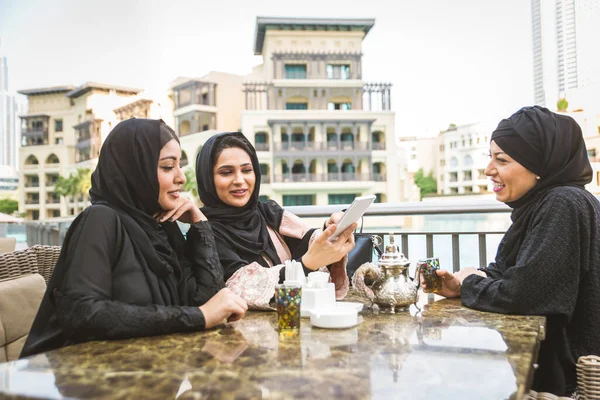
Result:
[{"x": 537, "y": 177}]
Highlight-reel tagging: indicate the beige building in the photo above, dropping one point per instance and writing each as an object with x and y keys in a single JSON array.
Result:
[
  {"x": 63, "y": 131},
  {"x": 203, "y": 106},
  {"x": 323, "y": 135},
  {"x": 463, "y": 158}
]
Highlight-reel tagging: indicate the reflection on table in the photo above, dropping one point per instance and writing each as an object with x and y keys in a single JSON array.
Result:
[{"x": 433, "y": 350}]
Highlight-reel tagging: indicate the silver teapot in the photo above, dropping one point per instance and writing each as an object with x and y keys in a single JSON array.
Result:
[{"x": 391, "y": 286}]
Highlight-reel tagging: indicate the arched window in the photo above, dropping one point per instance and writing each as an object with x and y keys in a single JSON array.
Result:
[
  {"x": 453, "y": 162},
  {"x": 31, "y": 160},
  {"x": 468, "y": 160},
  {"x": 261, "y": 141},
  {"x": 348, "y": 167},
  {"x": 298, "y": 168},
  {"x": 184, "y": 160},
  {"x": 52, "y": 159}
]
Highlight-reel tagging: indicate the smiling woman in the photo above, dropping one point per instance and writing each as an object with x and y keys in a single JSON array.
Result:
[
  {"x": 125, "y": 269},
  {"x": 255, "y": 238},
  {"x": 548, "y": 261}
]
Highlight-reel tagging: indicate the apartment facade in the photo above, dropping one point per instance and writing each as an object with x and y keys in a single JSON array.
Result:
[
  {"x": 322, "y": 134},
  {"x": 62, "y": 131},
  {"x": 463, "y": 158}
]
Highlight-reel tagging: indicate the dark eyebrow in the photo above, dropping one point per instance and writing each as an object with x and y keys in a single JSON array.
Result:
[
  {"x": 231, "y": 166},
  {"x": 169, "y": 158},
  {"x": 498, "y": 153}
]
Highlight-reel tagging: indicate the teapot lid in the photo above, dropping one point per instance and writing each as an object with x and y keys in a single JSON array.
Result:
[{"x": 392, "y": 255}]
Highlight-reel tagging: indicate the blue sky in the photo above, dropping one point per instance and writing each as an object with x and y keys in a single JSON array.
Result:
[{"x": 457, "y": 61}]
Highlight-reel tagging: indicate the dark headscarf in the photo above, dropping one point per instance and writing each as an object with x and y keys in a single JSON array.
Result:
[
  {"x": 551, "y": 146},
  {"x": 244, "y": 228},
  {"x": 125, "y": 180}
]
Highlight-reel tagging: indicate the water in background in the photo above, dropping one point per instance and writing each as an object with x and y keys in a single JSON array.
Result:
[
  {"x": 18, "y": 231},
  {"x": 442, "y": 244}
]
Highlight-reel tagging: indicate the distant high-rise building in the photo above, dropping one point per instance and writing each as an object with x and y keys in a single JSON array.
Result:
[
  {"x": 3, "y": 75},
  {"x": 565, "y": 56},
  {"x": 8, "y": 119}
]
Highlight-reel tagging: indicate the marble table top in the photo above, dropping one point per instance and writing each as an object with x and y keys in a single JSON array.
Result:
[{"x": 434, "y": 350}]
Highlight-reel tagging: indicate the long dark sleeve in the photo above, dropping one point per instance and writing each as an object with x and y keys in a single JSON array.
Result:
[
  {"x": 201, "y": 257},
  {"x": 545, "y": 278},
  {"x": 103, "y": 267}
]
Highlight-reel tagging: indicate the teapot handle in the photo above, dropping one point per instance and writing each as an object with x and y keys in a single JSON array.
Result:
[
  {"x": 418, "y": 273},
  {"x": 358, "y": 279}
]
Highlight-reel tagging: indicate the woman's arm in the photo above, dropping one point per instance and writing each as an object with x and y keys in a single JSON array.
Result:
[
  {"x": 84, "y": 301},
  {"x": 545, "y": 278},
  {"x": 201, "y": 253}
]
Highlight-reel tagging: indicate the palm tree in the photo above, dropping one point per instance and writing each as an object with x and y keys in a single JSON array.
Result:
[
  {"x": 190, "y": 184},
  {"x": 74, "y": 187}
]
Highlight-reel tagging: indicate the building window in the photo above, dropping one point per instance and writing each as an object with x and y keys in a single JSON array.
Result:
[
  {"x": 483, "y": 188},
  {"x": 58, "y": 125},
  {"x": 453, "y": 190},
  {"x": 467, "y": 176},
  {"x": 453, "y": 162},
  {"x": 592, "y": 155},
  {"x": 468, "y": 160},
  {"x": 295, "y": 71},
  {"x": 481, "y": 174},
  {"x": 453, "y": 176},
  {"x": 58, "y": 140},
  {"x": 296, "y": 106},
  {"x": 264, "y": 169},
  {"x": 260, "y": 141},
  {"x": 341, "y": 198},
  {"x": 442, "y": 147},
  {"x": 338, "y": 71},
  {"x": 377, "y": 197},
  {"x": 263, "y": 198},
  {"x": 468, "y": 189},
  {"x": 338, "y": 106},
  {"x": 442, "y": 163},
  {"x": 298, "y": 200}
]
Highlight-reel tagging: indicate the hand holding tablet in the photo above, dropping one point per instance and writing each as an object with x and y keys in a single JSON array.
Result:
[{"x": 353, "y": 214}]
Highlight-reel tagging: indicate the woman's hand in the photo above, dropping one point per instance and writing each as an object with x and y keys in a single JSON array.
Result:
[
  {"x": 334, "y": 219},
  {"x": 450, "y": 284},
  {"x": 223, "y": 305},
  {"x": 323, "y": 252},
  {"x": 185, "y": 211}
]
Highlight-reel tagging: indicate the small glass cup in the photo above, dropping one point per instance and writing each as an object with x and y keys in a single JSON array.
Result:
[
  {"x": 428, "y": 267},
  {"x": 288, "y": 298}
]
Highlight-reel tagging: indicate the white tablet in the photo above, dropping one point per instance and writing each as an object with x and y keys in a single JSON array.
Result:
[{"x": 353, "y": 214}]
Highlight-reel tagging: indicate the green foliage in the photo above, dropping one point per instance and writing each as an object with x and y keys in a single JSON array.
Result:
[
  {"x": 8, "y": 206},
  {"x": 562, "y": 104},
  {"x": 190, "y": 184},
  {"x": 426, "y": 183},
  {"x": 74, "y": 186}
]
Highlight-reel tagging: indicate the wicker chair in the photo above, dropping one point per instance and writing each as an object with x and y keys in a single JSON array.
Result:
[
  {"x": 38, "y": 259},
  {"x": 588, "y": 377}
]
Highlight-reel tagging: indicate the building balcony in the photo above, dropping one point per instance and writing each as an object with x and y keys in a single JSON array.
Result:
[
  {"x": 32, "y": 184},
  {"x": 326, "y": 177},
  {"x": 332, "y": 95},
  {"x": 32, "y": 201},
  {"x": 320, "y": 147},
  {"x": 34, "y": 137}
]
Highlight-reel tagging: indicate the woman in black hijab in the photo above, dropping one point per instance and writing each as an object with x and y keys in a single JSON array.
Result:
[
  {"x": 255, "y": 238},
  {"x": 124, "y": 269},
  {"x": 548, "y": 262}
]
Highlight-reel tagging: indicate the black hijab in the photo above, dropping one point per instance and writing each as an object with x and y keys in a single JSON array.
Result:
[
  {"x": 551, "y": 146},
  {"x": 244, "y": 228},
  {"x": 126, "y": 180}
]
